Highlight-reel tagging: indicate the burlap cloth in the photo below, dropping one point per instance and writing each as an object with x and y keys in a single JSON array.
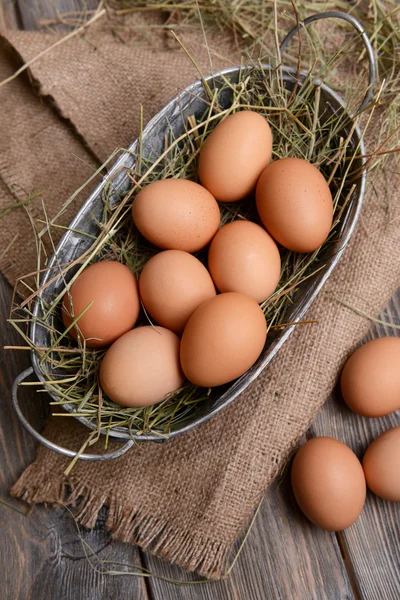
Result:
[{"x": 186, "y": 500}]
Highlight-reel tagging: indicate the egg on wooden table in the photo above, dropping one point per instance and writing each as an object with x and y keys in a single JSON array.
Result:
[
  {"x": 113, "y": 291},
  {"x": 222, "y": 339},
  {"x": 172, "y": 285},
  {"x": 234, "y": 155},
  {"x": 176, "y": 214},
  {"x": 328, "y": 483},
  {"x": 244, "y": 258},
  {"x": 381, "y": 464},
  {"x": 295, "y": 204},
  {"x": 142, "y": 367},
  {"x": 370, "y": 380}
]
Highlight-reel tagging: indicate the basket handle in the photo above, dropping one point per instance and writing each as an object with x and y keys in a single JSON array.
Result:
[
  {"x": 366, "y": 41},
  {"x": 52, "y": 445}
]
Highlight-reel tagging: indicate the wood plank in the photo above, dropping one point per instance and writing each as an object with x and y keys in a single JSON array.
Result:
[
  {"x": 41, "y": 556},
  {"x": 9, "y": 18},
  {"x": 33, "y": 12},
  {"x": 284, "y": 558},
  {"x": 372, "y": 544}
]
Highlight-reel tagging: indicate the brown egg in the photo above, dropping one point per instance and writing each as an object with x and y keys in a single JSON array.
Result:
[
  {"x": 222, "y": 339},
  {"x": 172, "y": 285},
  {"x": 370, "y": 380},
  {"x": 234, "y": 155},
  {"x": 142, "y": 367},
  {"x": 381, "y": 464},
  {"x": 176, "y": 214},
  {"x": 328, "y": 483},
  {"x": 244, "y": 258},
  {"x": 295, "y": 204},
  {"x": 113, "y": 289}
]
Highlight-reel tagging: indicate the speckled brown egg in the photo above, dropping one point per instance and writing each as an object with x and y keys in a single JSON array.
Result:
[
  {"x": 222, "y": 339},
  {"x": 370, "y": 380},
  {"x": 176, "y": 214},
  {"x": 295, "y": 204},
  {"x": 381, "y": 464},
  {"x": 234, "y": 155},
  {"x": 172, "y": 285},
  {"x": 244, "y": 258},
  {"x": 112, "y": 289},
  {"x": 142, "y": 367},
  {"x": 328, "y": 483}
]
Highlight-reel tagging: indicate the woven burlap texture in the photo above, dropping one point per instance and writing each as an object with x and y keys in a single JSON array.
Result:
[{"x": 186, "y": 500}]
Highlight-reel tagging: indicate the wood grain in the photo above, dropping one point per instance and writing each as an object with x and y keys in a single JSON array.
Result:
[
  {"x": 41, "y": 556},
  {"x": 284, "y": 557},
  {"x": 372, "y": 544},
  {"x": 9, "y": 15},
  {"x": 32, "y": 12}
]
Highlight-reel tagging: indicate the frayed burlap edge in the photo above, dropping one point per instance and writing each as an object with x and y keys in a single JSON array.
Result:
[{"x": 207, "y": 557}]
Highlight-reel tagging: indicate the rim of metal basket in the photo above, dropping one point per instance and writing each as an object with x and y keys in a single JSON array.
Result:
[{"x": 367, "y": 98}]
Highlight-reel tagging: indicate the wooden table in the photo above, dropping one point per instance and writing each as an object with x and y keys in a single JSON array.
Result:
[{"x": 285, "y": 557}]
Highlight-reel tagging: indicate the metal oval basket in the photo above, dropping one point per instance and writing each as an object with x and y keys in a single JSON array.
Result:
[{"x": 172, "y": 118}]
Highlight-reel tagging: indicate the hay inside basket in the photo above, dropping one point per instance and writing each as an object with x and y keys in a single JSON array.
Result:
[{"x": 300, "y": 128}]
